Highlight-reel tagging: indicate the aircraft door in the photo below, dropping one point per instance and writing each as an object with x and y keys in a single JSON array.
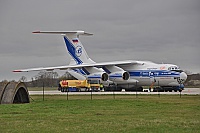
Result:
[{"x": 152, "y": 77}]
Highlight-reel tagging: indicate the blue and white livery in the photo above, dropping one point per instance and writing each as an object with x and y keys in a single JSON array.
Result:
[{"x": 126, "y": 74}]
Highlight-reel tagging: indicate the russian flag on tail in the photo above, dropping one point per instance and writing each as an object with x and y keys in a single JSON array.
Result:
[{"x": 75, "y": 41}]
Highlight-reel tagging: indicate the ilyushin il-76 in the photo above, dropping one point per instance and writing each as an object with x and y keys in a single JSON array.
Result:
[{"x": 129, "y": 74}]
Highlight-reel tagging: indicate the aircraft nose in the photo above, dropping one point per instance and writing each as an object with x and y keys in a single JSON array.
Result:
[{"x": 183, "y": 76}]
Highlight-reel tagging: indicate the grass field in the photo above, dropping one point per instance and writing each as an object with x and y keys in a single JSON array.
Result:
[
  {"x": 41, "y": 88},
  {"x": 125, "y": 113}
]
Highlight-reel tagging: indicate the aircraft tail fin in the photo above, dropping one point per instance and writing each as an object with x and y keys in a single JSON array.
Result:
[{"x": 73, "y": 45}]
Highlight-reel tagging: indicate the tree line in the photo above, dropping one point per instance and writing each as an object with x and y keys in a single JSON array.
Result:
[
  {"x": 45, "y": 78},
  {"x": 48, "y": 79}
]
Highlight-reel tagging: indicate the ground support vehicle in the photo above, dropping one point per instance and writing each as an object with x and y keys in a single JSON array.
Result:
[
  {"x": 78, "y": 85},
  {"x": 94, "y": 85}
]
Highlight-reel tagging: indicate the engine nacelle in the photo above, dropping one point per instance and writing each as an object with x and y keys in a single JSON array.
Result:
[
  {"x": 98, "y": 76},
  {"x": 119, "y": 76}
]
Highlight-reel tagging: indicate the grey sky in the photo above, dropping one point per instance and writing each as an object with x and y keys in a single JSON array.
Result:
[{"x": 158, "y": 30}]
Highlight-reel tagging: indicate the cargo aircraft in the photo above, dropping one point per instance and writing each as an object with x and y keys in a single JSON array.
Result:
[{"x": 127, "y": 74}]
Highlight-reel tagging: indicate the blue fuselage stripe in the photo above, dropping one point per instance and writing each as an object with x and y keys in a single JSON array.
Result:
[
  {"x": 144, "y": 73},
  {"x": 154, "y": 73}
]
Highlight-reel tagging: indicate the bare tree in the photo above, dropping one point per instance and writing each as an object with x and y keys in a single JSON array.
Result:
[
  {"x": 66, "y": 76},
  {"x": 47, "y": 78},
  {"x": 23, "y": 79}
]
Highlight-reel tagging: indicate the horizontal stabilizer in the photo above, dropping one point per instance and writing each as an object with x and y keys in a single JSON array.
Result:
[{"x": 65, "y": 32}]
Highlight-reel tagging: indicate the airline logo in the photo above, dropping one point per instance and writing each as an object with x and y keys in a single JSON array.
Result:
[{"x": 78, "y": 51}]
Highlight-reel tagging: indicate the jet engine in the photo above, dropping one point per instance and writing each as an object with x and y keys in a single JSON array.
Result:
[
  {"x": 98, "y": 76},
  {"x": 119, "y": 76}
]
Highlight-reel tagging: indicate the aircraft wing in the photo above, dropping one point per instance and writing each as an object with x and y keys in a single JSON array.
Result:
[{"x": 114, "y": 63}]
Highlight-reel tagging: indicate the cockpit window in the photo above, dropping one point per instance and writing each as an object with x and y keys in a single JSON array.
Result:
[{"x": 175, "y": 68}]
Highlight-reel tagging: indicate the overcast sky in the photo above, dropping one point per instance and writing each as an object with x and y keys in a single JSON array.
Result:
[{"x": 165, "y": 31}]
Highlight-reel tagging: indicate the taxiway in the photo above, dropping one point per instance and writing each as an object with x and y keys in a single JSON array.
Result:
[{"x": 187, "y": 91}]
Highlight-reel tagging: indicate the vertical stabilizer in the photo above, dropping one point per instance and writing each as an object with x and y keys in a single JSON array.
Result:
[
  {"x": 73, "y": 44},
  {"x": 76, "y": 50}
]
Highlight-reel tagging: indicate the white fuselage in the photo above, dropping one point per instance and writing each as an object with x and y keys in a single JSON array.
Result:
[{"x": 147, "y": 73}]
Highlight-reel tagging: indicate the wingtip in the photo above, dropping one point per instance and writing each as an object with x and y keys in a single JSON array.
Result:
[
  {"x": 36, "y": 32},
  {"x": 88, "y": 34},
  {"x": 17, "y": 71}
]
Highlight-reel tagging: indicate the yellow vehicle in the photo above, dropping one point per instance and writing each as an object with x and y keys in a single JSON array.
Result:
[
  {"x": 94, "y": 85},
  {"x": 79, "y": 85}
]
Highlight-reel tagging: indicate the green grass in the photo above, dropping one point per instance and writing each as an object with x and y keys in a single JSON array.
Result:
[
  {"x": 125, "y": 113},
  {"x": 41, "y": 88}
]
